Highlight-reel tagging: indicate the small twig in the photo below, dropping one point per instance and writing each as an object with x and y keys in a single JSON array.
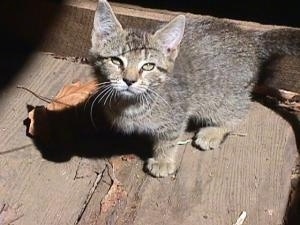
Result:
[
  {"x": 184, "y": 142},
  {"x": 2, "y": 208},
  {"x": 45, "y": 99},
  {"x": 15, "y": 149},
  {"x": 238, "y": 134},
  {"x": 241, "y": 218},
  {"x": 77, "y": 169}
]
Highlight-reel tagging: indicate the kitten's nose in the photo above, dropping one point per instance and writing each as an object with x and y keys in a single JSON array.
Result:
[{"x": 128, "y": 82}]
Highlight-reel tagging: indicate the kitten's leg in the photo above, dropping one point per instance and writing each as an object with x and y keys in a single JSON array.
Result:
[
  {"x": 223, "y": 120},
  {"x": 209, "y": 138},
  {"x": 164, "y": 161}
]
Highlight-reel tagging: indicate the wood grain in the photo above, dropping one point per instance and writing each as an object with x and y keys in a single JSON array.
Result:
[
  {"x": 250, "y": 173},
  {"x": 70, "y": 34},
  {"x": 45, "y": 192}
]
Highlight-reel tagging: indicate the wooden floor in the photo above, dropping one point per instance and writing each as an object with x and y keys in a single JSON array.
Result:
[{"x": 251, "y": 172}]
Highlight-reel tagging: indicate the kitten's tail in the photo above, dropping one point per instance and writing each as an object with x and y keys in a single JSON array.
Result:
[
  {"x": 281, "y": 55},
  {"x": 280, "y": 42}
]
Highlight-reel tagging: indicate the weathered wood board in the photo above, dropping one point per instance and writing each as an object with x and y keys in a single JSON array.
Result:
[
  {"x": 70, "y": 34},
  {"x": 250, "y": 173},
  {"x": 44, "y": 192}
]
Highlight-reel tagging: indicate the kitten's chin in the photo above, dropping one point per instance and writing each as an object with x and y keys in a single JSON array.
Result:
[
  {"x": 127, "y": 95},
  {"x": 131, "y": 92}
]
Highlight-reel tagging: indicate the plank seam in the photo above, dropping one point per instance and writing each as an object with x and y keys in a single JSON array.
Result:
[{"x": 90, "y": 194}]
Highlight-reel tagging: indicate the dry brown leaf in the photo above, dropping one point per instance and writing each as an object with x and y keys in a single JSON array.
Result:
[
  {"x": 72, "y": 95},
  {"x": 42, "y": 112},
  {"x": 69, "y": 96}
]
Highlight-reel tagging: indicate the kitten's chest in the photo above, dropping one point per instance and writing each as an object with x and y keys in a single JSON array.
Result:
[{"x": 141, "y": 120}]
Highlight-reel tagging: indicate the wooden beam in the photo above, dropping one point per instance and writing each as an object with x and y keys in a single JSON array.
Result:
[{"x": 70, "y": 34}]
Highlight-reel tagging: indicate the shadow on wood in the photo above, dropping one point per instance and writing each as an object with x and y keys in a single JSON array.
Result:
[
  {"x": 59, "y": 135},
  {"x": 23, "y": 26}
]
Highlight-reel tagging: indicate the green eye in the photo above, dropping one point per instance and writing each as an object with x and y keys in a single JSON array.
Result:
[
  {"x": 117, "y": 61},
  {"x": 148, "y": 66}
]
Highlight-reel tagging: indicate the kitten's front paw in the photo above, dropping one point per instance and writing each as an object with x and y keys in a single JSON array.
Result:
[
  {"x": 160, "y": 167},
  {"x": 210, "y": 138}
]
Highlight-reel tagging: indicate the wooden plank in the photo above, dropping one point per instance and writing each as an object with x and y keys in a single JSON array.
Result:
[
  {"x": 69, "y": 35},
  {"x": 210, "y": 187},
  {"x": 250, "y": 173},
  {"x": 45, "y": 192}
]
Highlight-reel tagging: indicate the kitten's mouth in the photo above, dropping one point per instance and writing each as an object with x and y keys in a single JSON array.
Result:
[
  {"x": 127, "y": 92},
  {"x": 131, "y": 92}
]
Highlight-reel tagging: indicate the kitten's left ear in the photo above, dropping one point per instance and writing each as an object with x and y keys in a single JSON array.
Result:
[
  {"x": 105, "y": 22},
  {"x": 171, "y": 34}
]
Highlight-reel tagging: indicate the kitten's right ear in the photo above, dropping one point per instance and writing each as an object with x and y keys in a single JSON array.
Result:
[
  {"x": 171, "y": 34},
  {"x": 105, "y": 22}
]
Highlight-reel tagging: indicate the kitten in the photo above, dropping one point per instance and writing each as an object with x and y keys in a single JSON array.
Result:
[{"x": 194, "y": 68}]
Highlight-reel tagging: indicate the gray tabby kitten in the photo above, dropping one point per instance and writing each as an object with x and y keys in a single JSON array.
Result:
[{"x": 194, "y": 68}]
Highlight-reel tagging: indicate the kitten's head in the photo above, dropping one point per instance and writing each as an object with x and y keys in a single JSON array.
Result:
[{"x": 133, "y": 62}]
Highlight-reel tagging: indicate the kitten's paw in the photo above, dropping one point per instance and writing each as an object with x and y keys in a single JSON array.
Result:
[
  {"x": 160, "y": 167},
  {"x": 209, "y": 138}
]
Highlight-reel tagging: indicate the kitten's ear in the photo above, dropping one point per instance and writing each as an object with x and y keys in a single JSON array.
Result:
[
  {"x": 171, "y": 34},
  {"x": 105, "y": 22}
]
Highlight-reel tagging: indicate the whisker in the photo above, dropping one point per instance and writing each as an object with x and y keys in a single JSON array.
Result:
[
  {"x": 91, "y": 96},
  {"x": 147, "y": 102},
  {"x": 91, "y": 111},
  {"x": 147, "y": 95},
  {"x": 142, "y": 100},
  {"x": 159, "y": 96},
  {"x": 105, "y": 93},
  {"x": 103, "y": 83},
  {"x": 151, "y": 98},
  {"x": 109, "y": 94},
  {"x": 93, "y": 103},
  {"x": 104, "y": 90},
  {"x": 144, "y": 97},
  {"x": 112, "y": 96}
]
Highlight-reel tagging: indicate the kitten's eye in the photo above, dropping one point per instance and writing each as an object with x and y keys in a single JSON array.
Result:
[
  {"x": 148, "y": 66},
  {"x": 117, "y": 61}
]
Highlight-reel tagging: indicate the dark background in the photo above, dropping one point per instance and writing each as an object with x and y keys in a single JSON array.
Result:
[{"x": 285, "y": 12}]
